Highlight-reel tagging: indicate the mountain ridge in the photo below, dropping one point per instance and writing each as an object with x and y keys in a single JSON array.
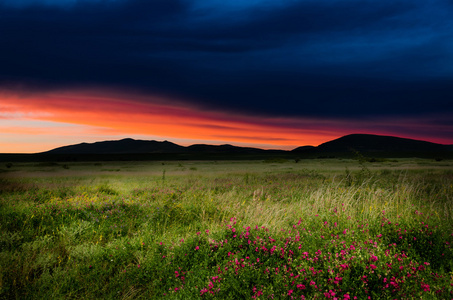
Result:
[
  {"x": 371, "y": 143},
  {"x": 366, "y": 143}
]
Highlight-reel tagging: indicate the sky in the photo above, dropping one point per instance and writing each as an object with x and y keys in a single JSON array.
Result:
[{"x": 273, "y": 74}]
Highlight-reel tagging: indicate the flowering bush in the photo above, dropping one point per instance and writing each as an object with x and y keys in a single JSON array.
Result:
[{"x": 300, "y": 263}]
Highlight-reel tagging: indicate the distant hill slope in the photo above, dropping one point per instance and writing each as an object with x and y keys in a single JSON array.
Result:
[
  {"x": 131, "y": 146},
  {"x": 379, "y": 143},
  {"x": 123, "y": 146},
  {"x": 363, "y": 143},
  {"x": 202, "y": 148}
]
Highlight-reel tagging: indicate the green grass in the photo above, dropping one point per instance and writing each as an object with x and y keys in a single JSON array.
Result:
[{"x": 227, "y": 230}]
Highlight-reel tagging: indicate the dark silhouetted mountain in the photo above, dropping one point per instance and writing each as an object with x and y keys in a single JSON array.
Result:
[
  {"x": 132, "y": 146},
  {"x": 202, "y": 148},
  {"x": 368, "y": 143},
  {"x": 124, "y": 146},
  {"x": 363, "y": 143}
]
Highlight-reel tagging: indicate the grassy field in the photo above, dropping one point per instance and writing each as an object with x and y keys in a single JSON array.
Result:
[{"x": 277, "y": 229}]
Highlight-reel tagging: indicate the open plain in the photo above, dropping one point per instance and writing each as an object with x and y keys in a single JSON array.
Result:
[{"x": 274, "y": 229}]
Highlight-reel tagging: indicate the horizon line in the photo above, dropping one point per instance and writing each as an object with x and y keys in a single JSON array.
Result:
[{"x": 226, "y": 144}]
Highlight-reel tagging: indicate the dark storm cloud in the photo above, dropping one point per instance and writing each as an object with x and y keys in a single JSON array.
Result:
[{"x": 345, "y": 58}]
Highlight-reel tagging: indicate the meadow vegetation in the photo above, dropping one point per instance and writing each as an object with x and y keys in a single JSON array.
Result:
[{"x": 311, "y": 229}]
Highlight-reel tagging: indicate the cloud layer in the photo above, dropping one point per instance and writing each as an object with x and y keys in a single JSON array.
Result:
[{"x": 337, "y": 60}]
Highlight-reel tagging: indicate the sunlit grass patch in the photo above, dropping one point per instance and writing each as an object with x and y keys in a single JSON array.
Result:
[{"x": 243, "y": 233}]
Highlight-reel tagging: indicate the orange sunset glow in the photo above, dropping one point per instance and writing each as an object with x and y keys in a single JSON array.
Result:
[
  {"x": 50, "y": 118},
  {"x": 39, "y": 122}
]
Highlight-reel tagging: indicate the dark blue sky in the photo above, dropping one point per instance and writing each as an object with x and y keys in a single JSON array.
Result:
[{"x": 343, "y": 59}]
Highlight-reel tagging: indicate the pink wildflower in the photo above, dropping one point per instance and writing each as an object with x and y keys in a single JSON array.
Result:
[
  {"x": 300, "y": 286},
  {"x": 425, "y": 287}
]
